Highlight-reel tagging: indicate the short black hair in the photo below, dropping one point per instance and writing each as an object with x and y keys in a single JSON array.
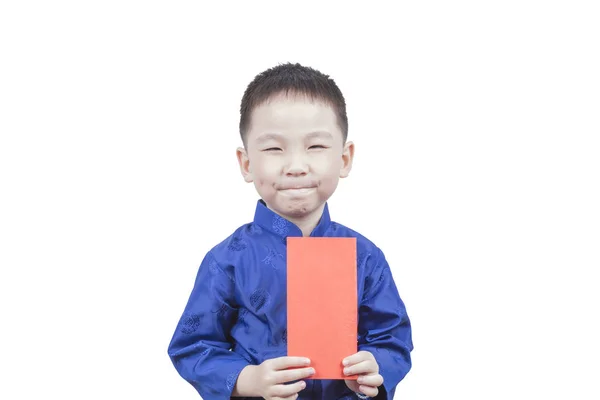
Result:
[{"x": 297, "y": 79}]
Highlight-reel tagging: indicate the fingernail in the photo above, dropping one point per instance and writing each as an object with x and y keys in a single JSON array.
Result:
[
  {"x": 345, "y": 362},
  {"x": 346, "y": 370},
  {"x": 312, "y": 371},
  {"x": 307, "y": 361},
  {"x": 303, "y": 384}
]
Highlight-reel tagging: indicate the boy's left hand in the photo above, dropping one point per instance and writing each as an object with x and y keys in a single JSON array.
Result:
[{"x": 364, "y": 365}]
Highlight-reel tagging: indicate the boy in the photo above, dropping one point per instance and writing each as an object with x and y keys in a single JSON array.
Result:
[{"x": 231, "y": 339}]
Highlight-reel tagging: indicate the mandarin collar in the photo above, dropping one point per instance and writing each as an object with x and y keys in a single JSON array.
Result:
[{"x": 271, "y": 221}]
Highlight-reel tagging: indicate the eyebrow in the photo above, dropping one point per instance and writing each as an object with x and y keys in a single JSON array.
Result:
[
  {"x": 268, "y": 136},
  {"x": 321, "y": 134},
  {"x": 276, "y": 136}
]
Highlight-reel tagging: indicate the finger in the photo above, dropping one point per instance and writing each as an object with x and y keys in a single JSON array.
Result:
[
  {"x": 291, "y": 375},
  {"x": 374, "y": 380},
  {"x": 289, "y": 362},
  {"x": 369, "y": 390},
  {"x": 285, "y": 391},
  {"x": 364, "y": 367},
  {"x": 358, "y": 357}
]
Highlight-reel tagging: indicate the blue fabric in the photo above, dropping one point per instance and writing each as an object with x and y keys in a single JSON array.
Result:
[{"x": 236, "y": 313}]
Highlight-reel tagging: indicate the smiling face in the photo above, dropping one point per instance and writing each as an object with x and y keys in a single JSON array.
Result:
[{"x": 295, "y": 155}]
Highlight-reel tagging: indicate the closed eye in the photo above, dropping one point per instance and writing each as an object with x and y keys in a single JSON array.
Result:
[
  {"x": 318, "y": 146},
  {"x": 272, "y": 149}
]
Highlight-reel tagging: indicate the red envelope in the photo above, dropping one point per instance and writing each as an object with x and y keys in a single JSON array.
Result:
[{"x": 322, "y": 302}]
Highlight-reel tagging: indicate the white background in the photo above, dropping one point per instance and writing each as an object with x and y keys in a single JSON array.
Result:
[{"x": 477, "y": 172}]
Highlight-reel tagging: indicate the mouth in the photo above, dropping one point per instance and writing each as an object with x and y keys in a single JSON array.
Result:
[
  {"x": 298, "y": 190},
  {"x": 297, "y": 185}
]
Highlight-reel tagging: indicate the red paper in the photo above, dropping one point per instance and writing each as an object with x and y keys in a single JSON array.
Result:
[{"x": 322, "y": 302}]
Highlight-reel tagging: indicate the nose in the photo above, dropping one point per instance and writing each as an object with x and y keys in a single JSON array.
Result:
[{"x": 296, "y": 165}]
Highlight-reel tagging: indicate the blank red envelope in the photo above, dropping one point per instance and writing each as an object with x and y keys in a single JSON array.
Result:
[{"x": 322, "y": 314}]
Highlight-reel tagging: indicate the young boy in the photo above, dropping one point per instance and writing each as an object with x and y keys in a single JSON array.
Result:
[{"x": 231, "y": 339}]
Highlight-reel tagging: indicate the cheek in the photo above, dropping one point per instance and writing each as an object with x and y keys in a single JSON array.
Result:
[
  {"x": 266, "y": 173},
  {"x": 330, "y": 182},
  {"x": 264, "y": 179},
  {"x": 328, "y": 167}
]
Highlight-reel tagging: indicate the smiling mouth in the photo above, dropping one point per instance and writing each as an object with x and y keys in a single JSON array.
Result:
[{"x": 302, "y": 190}]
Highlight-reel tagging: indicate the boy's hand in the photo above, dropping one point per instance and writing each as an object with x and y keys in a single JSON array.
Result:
[
  {"x": 364, "y": 365},
  {"x": 268, "y": 379}
]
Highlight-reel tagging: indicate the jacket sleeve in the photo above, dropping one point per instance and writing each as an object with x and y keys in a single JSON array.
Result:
[
  {"x": 384, "y": 327},
  {"x": 200, "y": 347}
]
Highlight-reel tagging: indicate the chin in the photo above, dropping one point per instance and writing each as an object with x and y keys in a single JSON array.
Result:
[
  {"x": 293, "y": 207},
  {"x": 296, "y": 207},
  {"x": 301, "y": 208},
  {"x": 297, "y": 212}
]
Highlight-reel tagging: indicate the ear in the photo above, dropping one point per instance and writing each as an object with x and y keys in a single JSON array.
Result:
[
  {"x": 347, "y": 157},
  {"x": 244, "y": 161}
]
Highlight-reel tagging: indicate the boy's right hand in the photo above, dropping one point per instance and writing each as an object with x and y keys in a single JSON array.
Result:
[{"x": 268, "y": 380}]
